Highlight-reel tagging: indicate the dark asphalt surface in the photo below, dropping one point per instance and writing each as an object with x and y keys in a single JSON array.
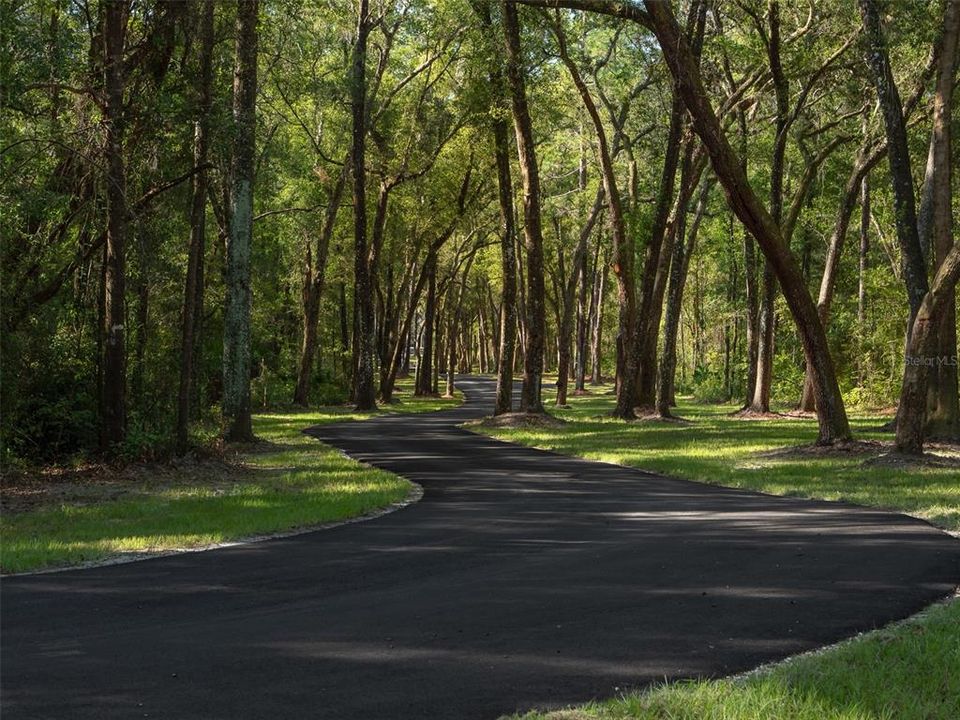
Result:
[{"x": 521, "y": 579}]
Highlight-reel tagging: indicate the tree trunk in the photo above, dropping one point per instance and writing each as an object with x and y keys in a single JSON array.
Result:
[
  {"x": 192, "y": 299},
  {"x": 508, "y": 264},
  {"x": 114, "y": 376},
  {"x": 682, "y": 251},
  {"x": 659, "y": 250},
  {"x": 596, "y": 333},
  {"x": 901, "y": 175},
  {"x": 313, "y": 283},
  {"x": 364, "y": 390},
  {"x": 767, "y": 316},
  {"x": 530, "y": 399},
  {"x": 424, "y": 385},
  {"x": 832, "y": 417},
  {"x": 921, "y": 356},
  {"x": 236, "y": 321},
  {"x": 644, "y": 348},
  {"x": 945, "y": 416},
  {"x": 580, "y": 369}
]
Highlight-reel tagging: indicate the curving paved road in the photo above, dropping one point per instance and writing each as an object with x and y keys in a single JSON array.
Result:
[{"x": 521, "y": 579}]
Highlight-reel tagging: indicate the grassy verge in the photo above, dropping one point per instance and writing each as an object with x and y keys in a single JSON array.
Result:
[
  {"x": 285, "y": 481},
  {"x": 908, "y": 671},
  {"x": 717, "y": 448}
]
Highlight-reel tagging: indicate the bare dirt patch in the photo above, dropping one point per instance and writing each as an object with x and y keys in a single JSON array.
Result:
[
  {"x": 873, "y": 452},
  {"x": 91, "y": 484},
  {"x": 519, "y": 420}
]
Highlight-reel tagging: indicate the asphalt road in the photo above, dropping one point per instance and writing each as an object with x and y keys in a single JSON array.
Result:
[{"x": 521, "y": 579}]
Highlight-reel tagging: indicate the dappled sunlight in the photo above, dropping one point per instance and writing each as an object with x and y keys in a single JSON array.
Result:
[{"x": 719, "y": 448}]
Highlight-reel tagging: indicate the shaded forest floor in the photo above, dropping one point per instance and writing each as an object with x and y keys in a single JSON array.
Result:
[
  {"x": 772, "y": 455},
  {"x": 286, "y": 480}
]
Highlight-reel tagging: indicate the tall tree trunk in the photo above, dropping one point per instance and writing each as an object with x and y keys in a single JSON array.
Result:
[
  {"x": 192, "y": 298},
  {"x": 901, "y": 175},
  {"x": 767, "y": 316},
  {"x": 682, "y": 251},
  {"x": 945, "y": 416},
  {"x": 656, "y": 263},
  {"x": 644, "y": 348},
  {"x": 831, "y": 415},
  {"x": 508, "y": 265},
  {"x": 530, "y": 398},
  {"x": 580, "y": 362},
  {"x": 114, "y": 377},
  {"x": 236, "y": 320},
  {"x": 623, "y": 252},
  {"x": 364, "y": 390},
  {"x": 596, "y": 331},
  {"x": 424, "y": 385},
  {"x": 313, "y": 283}
]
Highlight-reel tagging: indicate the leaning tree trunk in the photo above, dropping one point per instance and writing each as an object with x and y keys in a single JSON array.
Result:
[
  {"x": 530, "y": 398},
  {"x": 364, "y": 390},
  {"x": 192, "y": 307},
  {"x": 236, "y": 319},
  {"x": 114, "y": 374},
  {"x": 831, "y": 414}
]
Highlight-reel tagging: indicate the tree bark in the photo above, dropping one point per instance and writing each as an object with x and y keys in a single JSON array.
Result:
[
  {"x": 944, "y": 419},
  {"x": 114, "y": 376},
  {"x": 508, "y": 265},
  {"x": 530, "y": 398},
  {"x": 364, "y": 390},
  {"x": 192, "y": 300},
  {"x": 921, "y": 349},
  {"x": 236, "y": 321}
]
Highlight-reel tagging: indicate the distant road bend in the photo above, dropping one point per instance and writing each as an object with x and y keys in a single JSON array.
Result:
[{"x": 521, "y": 579}]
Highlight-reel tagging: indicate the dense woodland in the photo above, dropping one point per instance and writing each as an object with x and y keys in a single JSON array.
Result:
[{"x": 212, "y": 207}]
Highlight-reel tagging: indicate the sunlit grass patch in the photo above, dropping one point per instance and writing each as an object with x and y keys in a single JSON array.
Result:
[{"x": 288, "y": 480}]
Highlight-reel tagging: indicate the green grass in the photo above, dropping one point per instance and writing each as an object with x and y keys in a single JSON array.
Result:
[
  {"x": 717, "y": 448},
  {"x": 286, "y": 482},
  {"x": 908, "y": 671}
]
